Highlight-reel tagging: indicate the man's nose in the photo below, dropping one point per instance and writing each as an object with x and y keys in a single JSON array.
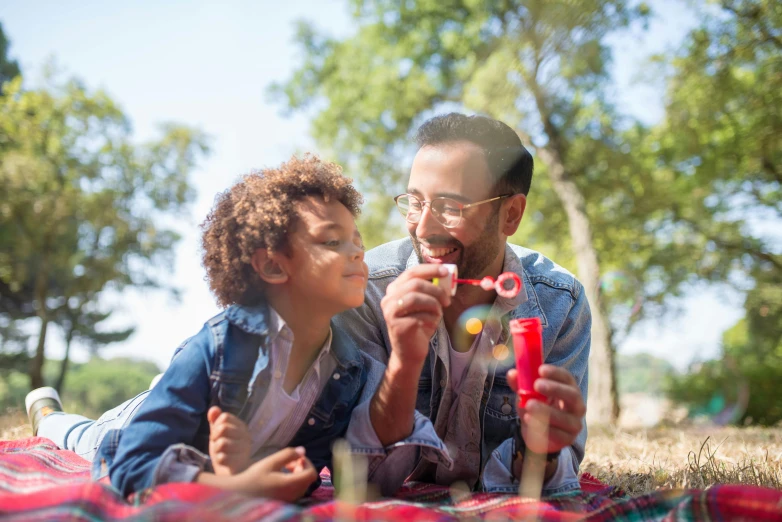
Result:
[{"x": 427, "y": 224}]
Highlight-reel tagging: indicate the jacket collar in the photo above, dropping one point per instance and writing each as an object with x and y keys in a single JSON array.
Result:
[
  {"x": 251, "y": 319},
  {"x": 256, "y": 320}
]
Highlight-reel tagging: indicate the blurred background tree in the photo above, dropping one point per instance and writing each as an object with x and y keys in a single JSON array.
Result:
[
  {"x": 642, "y": 212},
  {"x": 720, "y": 151},
  {"x": 93, "y": 387},
  {"x": 83, "y": 213}
]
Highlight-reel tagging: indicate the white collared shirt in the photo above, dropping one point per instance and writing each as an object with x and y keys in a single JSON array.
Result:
[{"x": 280, "y": 415}]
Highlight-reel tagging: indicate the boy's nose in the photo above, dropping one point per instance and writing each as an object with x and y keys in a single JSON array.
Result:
[{"x": 357, "y": 253}]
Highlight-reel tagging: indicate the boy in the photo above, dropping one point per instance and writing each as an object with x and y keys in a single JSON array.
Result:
[{"x": 266, "y": 381}]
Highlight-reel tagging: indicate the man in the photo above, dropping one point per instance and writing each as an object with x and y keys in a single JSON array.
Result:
[{"x": 466, "y": 195}]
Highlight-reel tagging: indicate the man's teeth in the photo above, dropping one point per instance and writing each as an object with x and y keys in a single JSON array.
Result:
[{"x": 438, "y": 252}]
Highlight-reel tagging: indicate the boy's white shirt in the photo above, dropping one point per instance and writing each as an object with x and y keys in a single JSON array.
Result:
[{"x": 280, "y": 415}]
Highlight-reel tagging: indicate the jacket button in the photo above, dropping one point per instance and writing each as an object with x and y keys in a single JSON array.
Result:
[
  {"x": 442, "y": 383},
  {"x": 277, "y": 374},
  {"x": 506, "y": 408},
  {"x": 311, "y": 422},
  {"x": 336, "y": 376}
]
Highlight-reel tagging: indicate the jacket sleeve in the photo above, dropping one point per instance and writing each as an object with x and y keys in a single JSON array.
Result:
[
  {"x": 156, "y": 445},
  {"x": 389, "y": 466}
]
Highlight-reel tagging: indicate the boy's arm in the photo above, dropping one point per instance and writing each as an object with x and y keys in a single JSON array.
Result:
[
  {"x": 156, "y": 446},
  {"x": 230, "y": 443},
  {"x": 285, "y": 475}
]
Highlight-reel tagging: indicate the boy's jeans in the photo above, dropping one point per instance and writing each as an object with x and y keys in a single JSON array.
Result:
[{"x": 82, "y": 435}]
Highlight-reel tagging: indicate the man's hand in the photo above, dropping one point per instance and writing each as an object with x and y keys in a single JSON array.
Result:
[
  {"x": 561, "y": 418},
  {"x": 230, "y": 443},
  {"x": 412, "y": 309}
]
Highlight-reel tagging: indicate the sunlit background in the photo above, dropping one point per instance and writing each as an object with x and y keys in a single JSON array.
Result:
[{"x": 210, "y": 66}]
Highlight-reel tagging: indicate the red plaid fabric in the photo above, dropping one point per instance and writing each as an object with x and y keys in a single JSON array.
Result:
[{"x": 38, "y": 482}]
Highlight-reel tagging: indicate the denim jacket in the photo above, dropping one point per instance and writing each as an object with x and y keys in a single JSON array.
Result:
[
  {"x": 226, "y": 364},
  {"x": 552, "y": 294}
]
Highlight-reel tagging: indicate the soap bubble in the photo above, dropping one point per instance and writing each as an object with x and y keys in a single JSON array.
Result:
[{"x": 471, "y": 323}]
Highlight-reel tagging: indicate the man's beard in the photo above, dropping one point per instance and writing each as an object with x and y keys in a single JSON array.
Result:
[{"x": 473, "y": 260}]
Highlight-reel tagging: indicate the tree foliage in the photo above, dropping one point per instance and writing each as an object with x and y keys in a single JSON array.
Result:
[
  {"x": 721, "y": 145},
  {"x": 718, "y": 154},
  {"x": 9, "y": 68},
  {"x": 539, "y": 66},
  {"x": 93, "y": 387},
  {"x": 82, "y": 209}
]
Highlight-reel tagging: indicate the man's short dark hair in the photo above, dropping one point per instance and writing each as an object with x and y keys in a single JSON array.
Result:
[{"x": 509, "y": 162}]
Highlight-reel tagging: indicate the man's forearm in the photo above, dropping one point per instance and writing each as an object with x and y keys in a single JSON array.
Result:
[{"x": 392, "y": 410}]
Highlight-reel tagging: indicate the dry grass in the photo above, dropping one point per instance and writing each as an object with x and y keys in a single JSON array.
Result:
[
  {"x": 685, "y": 456},
  {"x": 14, "y": 425},
  {"x": 642, "y": 460}
]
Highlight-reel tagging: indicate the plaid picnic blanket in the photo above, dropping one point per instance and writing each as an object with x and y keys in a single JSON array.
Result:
[{"x": 39, "y": 482}]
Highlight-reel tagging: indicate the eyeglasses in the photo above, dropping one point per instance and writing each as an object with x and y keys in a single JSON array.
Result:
[{"x": 447, "y": 211}]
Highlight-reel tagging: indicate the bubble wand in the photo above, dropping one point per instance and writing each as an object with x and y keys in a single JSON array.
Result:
[{"x": 487, "y": 283}]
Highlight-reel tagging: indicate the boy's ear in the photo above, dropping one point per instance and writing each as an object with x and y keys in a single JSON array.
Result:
[{"x": 268, "y": 267}]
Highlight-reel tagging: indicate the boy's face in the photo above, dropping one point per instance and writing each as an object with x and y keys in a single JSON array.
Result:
[{"x": 325, "y": 259}]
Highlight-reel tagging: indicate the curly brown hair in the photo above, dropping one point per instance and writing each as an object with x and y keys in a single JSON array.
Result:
[{"x": 258, "y": 212}]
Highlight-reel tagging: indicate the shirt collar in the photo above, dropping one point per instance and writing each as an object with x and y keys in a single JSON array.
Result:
[{"x": 279, "y": 328}]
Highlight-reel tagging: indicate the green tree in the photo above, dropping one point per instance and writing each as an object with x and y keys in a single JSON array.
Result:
[
  {"x": 9, "y": 69},
  {"x": 742, "y": 385},
  {"x": 96, "y": 386},
  {"x": 538, "y": 65},
  {"x": 718, "y": 153},
  {"x": 82, "y": 207},
  {"x": 642, "y": 373},
  {"x": 80, "y": 323},
  {"x": 720, "y": 147}
]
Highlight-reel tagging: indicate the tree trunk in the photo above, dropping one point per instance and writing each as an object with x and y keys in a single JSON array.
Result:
[
  {"x": 36, "y": 364},
  {"x": 602, "y": 403},
  {"x": 65, "y": 361}
]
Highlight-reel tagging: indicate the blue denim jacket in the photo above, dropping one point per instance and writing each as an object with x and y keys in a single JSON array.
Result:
[
  {"x": 226, "y": 364},
  {"x": 552, "y": 294}
]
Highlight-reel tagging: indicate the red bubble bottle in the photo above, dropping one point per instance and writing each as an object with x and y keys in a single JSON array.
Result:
[{"x": 528, "y": 347}]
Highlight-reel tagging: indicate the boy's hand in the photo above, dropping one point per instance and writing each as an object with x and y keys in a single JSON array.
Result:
[
  {"x": 412, "y": 308},
  {"x": 230, "y": 443},
  {"x": 561, "y": 418},
  {"x": 284, "y": 475}
]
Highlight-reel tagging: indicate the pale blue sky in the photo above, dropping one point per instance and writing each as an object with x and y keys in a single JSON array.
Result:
[{"x": 207, "y": 64}]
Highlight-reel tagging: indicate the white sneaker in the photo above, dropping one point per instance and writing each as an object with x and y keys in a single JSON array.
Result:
[{"x": 40, "y": 403}]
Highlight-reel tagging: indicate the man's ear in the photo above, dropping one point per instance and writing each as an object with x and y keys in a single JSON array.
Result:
[
  {"x": 514, "y": 211},
  {"x": 268, "y": 267}
]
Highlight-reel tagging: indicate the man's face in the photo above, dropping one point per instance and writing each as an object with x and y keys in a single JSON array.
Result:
[{"x": 458, "y": 171}]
